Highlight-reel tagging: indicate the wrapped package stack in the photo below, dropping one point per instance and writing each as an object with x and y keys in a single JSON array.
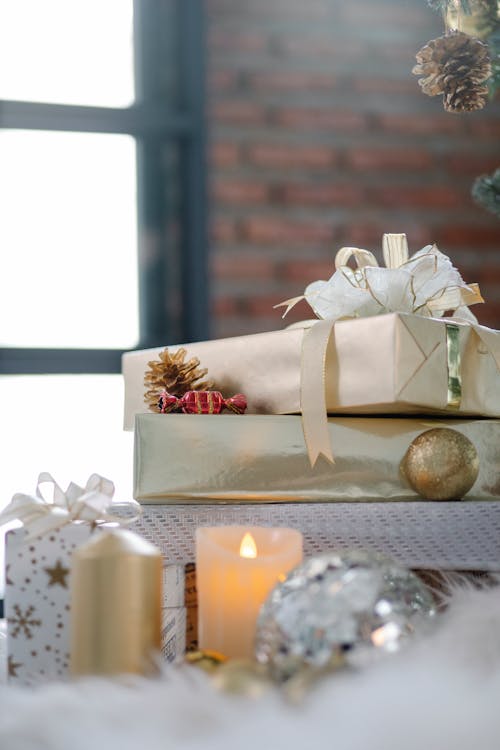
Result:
[{"x": 389, "y": 400}]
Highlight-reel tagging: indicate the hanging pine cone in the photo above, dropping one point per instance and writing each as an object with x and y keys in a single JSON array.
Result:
[
  {"x": 455, "y": 65},
  {"x": 171, "y": 373}
]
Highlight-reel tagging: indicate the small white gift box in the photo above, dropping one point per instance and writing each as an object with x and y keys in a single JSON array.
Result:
[{"x": 38, "y": 572}]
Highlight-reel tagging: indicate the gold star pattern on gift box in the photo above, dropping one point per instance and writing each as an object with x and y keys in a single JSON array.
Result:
[
  {"x": 12, "y": 667},
  {"x": 57, "y": 575}
]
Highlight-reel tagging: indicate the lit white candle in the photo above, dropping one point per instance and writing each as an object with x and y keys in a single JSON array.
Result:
[{"x": 236, "y": 568}]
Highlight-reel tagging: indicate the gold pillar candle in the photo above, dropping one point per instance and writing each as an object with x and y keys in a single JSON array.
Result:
[
  {"x": 116, "y": 599},
  {"x": 236, "y": 568}
]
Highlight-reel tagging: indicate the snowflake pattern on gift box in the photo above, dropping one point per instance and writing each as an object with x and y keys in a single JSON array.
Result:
[{"x": 23, "y": 622}]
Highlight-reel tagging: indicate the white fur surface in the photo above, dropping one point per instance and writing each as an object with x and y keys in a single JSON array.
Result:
[{"x": 441, "y": 693}]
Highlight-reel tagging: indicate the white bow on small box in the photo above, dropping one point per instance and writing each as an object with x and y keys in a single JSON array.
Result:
[
  {"x": 425, "y": 284},
  {"x": 92, "y": 503}
]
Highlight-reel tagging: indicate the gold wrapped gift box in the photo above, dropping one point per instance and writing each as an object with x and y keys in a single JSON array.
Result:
[
  {"x": 256, "y": 458},
  {"x": 388, "y": 364}
]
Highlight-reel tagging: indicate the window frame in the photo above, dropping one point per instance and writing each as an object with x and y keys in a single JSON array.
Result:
[{"x": 153, "y": 121}]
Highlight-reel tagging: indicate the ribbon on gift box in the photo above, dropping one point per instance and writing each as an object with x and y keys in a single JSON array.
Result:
[
  {"x": 425, "y": 284},
  {"x": 92, "y": 503}
]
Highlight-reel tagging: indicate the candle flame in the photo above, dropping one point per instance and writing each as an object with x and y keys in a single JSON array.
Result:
[{"x": 248, "y": 548}]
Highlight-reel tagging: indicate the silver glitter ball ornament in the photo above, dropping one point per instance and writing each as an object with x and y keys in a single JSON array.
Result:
[{"x": 350, "y": 607}]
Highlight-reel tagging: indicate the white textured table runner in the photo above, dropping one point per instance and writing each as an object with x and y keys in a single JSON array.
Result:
[{"x": 439, "y": 535}]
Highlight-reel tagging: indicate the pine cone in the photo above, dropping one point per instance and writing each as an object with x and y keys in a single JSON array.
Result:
[
  {"x": 455, "y": 65},
  {"x": 465, "y": 97},
  {"x": 171, "y": 373}
]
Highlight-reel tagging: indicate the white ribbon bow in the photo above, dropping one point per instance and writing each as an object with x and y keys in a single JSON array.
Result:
[
  {"x": 91, "y": 503},
  {"x": 426, "y": 284}
]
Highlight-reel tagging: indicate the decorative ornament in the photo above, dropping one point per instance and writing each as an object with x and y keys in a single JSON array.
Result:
[
  {"x": 486, "y": 192},
  {"x": 350, "y": 607},
  {"x": 201, "y": 402},
  {"x": 243, "y": 677},
  {"x": 308, "y": 678},
  {"x": 441, "y": 464},
  {"x": 455, "y": 66},
  {"x": 173, "y": 374},
  {"x": 206, "y": 660}
]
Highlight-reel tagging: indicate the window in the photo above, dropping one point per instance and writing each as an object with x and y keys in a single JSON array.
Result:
[
  {"x": 102, "y": 220},
  {"x": 102, "y": 181}
]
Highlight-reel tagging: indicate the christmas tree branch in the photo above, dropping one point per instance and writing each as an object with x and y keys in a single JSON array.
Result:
[
  {"x": 486, "y": 192},
  {"x": 494, "y": 46},
  {"x": 443, "y": 5}
]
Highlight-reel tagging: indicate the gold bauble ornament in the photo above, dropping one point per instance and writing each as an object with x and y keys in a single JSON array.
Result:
[
  {"x": 308, "y": 678},
  {"x": 242, "y": 677},
  {"x": 206, "y": 660},
  {"x": 441, "y": 464}
]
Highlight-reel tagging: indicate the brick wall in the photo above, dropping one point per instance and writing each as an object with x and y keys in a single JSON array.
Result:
[{"x": 319, "y": 138}]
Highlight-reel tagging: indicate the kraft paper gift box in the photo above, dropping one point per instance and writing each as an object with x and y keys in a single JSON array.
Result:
[
  {"x": 259, "y": 458},
  {"x": 395, "y": 363},
  {"x": 38, "y": 572}
]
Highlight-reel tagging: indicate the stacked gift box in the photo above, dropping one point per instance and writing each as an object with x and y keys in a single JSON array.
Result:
[{"x": 333, "y": 404}]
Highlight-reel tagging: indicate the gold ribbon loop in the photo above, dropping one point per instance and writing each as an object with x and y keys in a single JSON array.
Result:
[{"x": 362, "y": 257}]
